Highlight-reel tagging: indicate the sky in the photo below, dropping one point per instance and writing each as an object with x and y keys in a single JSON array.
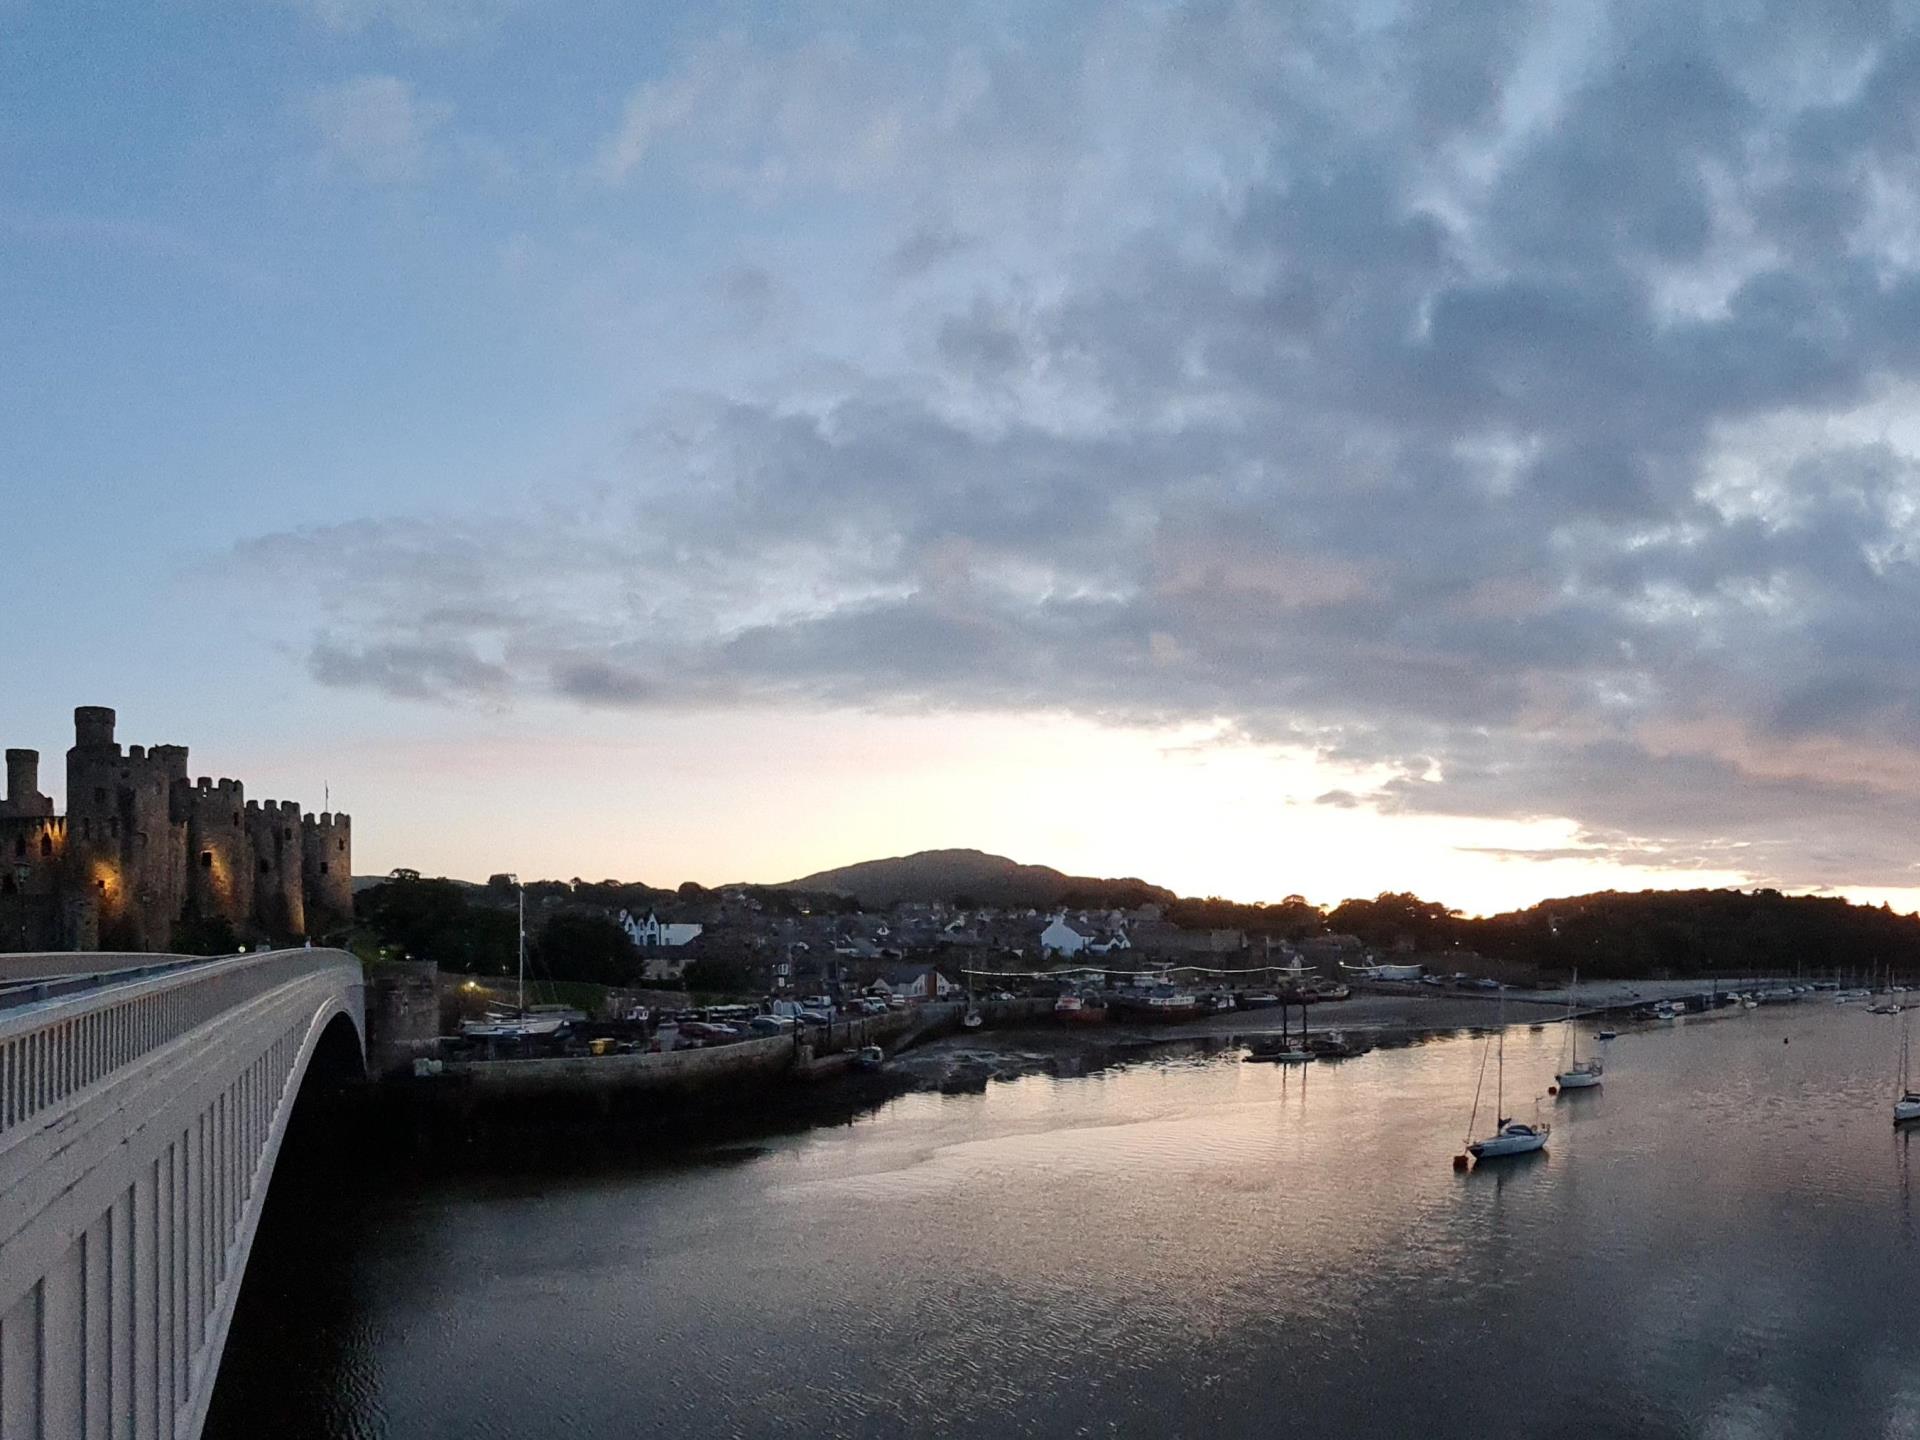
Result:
[{"x": 1266, "y": 449}]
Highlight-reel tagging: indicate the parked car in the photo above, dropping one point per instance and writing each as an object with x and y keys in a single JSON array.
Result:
[
  {"x": 1001, "y": 995},
  {"x": 709, "y": 1030},
  {"x": 772, "y": 1025}
]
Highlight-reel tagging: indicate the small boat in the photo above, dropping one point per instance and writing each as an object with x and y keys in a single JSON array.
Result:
[
  {"x": 1607, "y": 1035},
  {"x": 1074, "y": 1009},
  {"x": 1288, "y": 1051},
  {"x": 972, "y": 1020},
  {"x": 1332, "y": 1045},
  {"x": 869, "y": 1057},
  {"x": 1258, "y": 1000},
  {"x": 1580, "y": 1074},
  {"x": 1162, "y": 1002},
  {"x": 1907, "y": 1107},
  {"x": 1668, "y": 1012},
  {"x": 1510, "y": 1137}
]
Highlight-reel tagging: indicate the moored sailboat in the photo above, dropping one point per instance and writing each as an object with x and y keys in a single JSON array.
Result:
[
  {"x": 1907, "y": 1107},
  {"x": 1510, "y": 1137},
  {"x": 1579, "y": 1074}
]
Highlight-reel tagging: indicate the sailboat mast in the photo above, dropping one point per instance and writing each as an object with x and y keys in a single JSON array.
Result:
[
  {"x": 1573, "y": 1029},
  {"x": 1500, "y": 1070}
]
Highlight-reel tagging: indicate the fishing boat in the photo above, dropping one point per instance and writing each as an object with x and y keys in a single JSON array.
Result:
[
  {"x": 1579, "y": 1074},
  {"x": 1161, "y": 1002},
  {"x": 1667, "y": 1011},
  {"x": 1074, "y": 1009},
  {"x": 869, "y": 1057},
  {"x": 1509, "y": 1137},
  {"x": 1607, "y": 1035},
  {"x": 1259, "y": 1000}
]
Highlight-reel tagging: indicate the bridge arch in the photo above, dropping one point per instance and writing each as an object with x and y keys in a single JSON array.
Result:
[{"x": 142, "y": 1106}]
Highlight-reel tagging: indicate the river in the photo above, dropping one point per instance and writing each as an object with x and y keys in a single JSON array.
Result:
[{"x": 1719, "y": 1242}]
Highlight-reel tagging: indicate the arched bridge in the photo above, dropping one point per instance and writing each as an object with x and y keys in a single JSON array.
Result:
[{"x": 142, "y": 1103}]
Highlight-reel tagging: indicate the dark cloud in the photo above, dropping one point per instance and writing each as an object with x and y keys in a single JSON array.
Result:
[{"x": 1483, "y": 418}]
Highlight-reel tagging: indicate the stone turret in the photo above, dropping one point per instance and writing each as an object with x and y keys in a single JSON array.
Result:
[
  {"x": 327, "y": 853},
  {"x": 275, "y": 836},
  {"x": 23, "y": 785}
]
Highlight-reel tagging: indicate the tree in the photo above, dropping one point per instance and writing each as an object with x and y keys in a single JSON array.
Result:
[
  {"x": 436, "y": 920},
  {"x": 580, "y": 945},
  {"x": 718, "y": 974},
  {"x": 197, "y": 934}
]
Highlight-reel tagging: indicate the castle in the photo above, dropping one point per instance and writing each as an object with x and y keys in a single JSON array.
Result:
[{"x": 143, "y": 851}]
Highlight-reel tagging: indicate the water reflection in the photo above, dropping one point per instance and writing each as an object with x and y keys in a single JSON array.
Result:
[{"x": 1713, "y": 1244}]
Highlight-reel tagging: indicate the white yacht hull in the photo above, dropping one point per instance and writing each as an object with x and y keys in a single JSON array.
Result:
[
  {"x": 1905, "y": 1110},
  {"x": 1578, "y": 1080},
  {"x": 1495, "y": 1147}
]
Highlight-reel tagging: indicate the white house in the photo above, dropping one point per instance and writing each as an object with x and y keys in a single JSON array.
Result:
[
  {"x": 1063, "y": 937},
  {"x": 650, "y": 934},
  {"x": 1076, "y": 937},
  {"x": 916, "y": 982}
]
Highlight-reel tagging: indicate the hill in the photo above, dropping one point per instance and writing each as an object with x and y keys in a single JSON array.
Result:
[{"x": 977, "y": 876}]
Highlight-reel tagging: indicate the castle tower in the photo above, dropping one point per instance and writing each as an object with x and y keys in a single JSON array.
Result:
[
  {"x": 23, "y": 786},
  {"x": 275, "y": 834},
  {"x": 220, "y": 864},
  {"x": 327, "y": 855}
]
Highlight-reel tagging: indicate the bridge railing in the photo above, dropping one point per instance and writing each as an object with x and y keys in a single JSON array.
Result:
[{"x": 59, "y": 1045}]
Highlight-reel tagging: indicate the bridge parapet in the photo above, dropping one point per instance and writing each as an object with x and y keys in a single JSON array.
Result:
[
  {"x": 141, "y": 1111},
  {"x": 55, "y": 1046}
]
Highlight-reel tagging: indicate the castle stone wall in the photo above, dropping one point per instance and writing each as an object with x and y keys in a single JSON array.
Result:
[{"x": 142, "y": 847}]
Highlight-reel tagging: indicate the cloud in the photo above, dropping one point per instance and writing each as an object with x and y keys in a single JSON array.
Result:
[
  {"x": 1511, "y": 403},
  {"x": 374, "y": 128},
  {"x": 432, "y": 22}
]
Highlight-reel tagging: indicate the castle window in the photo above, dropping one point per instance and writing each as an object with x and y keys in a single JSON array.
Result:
[
  {"x": 206, "y": 859},
  {"x": 20, "y": 845},
  {"x": 286, "y": 834},
  {"x": 46, "y": 845},
  {"x": 266, "y": 866},
  {"x": 343, "y": 847},
  {"x": 236, "y": 818},
  {"x": 323, "y": 867}
]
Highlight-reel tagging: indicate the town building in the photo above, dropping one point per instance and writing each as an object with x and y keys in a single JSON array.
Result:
[{"x": 143, "y": 850}]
